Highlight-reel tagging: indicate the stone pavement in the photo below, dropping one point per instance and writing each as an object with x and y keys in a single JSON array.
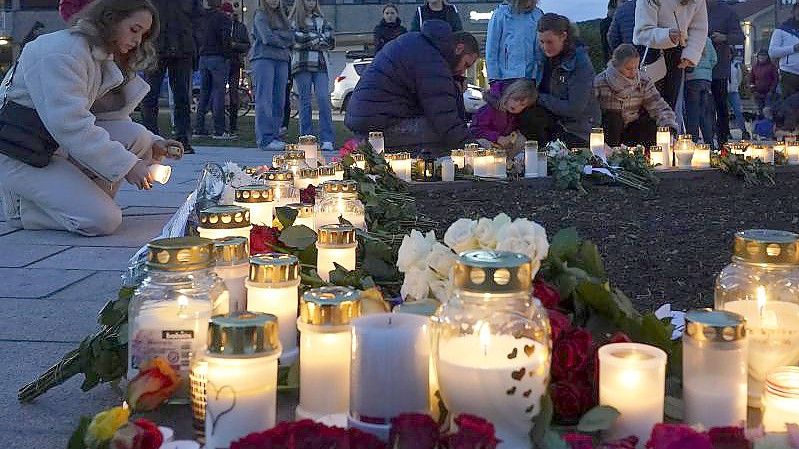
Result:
[{"x": 52, "y": 284}]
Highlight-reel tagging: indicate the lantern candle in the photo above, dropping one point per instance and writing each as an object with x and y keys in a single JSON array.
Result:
[
  {"x": 377, "y": 142},
  {"x": 779, "y": 147},
  {"x": 272, "y": 287},
  {"x": 531, "y": 159},
  {"x": 335, "y": 245},
  {"x": 701, "y": 157},
  {"x": 307, "y": 176},
  {"x": 339, "y": 176},
  {"x": 259, "y": 200},
  {"x": 283, "y": 190},
  {"x": 458, "y": 158},
  {"x": 663, "y": 140},
  {"x": 384, "y": 387},
  {"x": 632, "y": 379},
  {"x": 327, "y": 173},
  {"x": 224, "y": 221},
  {"x": 339, "y": 199},
  {"x": 657, "y": 157},
  {"x": 684, "y": 151},
  {"x": 447, "y": 169},
  {"x": 401, "y": 164},
  {"x": 278, "y": 160},
  {"x": 781, "y": 401},
  {"x": 762, "y": 152},
  {"x": 714, "y": 368},
  {"x": 241, "y": 388},
  {"x": 232, "y": 264},
  {"x": 597, "y": 142},
  {"x": 304, "y": 214},
  {"x": 325, "y": 351},
  {"x": 309, "y": 145},
  {"x": 160, "y": 173},
  {"x": 483, "y": 163}
]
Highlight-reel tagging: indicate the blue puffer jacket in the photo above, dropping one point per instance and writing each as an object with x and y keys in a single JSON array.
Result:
[
  {"x": 568, "y": 92},
  {"x": 411, "y": 77},
  {"x": 512, "y": 49},
  {"x": 621, "y": 28}
]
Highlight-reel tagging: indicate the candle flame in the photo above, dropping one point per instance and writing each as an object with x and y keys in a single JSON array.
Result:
[
  {"x": 760, "y": 295},
  {"x": 484, "y": 331},
  {"x": 125, "y": 405}
]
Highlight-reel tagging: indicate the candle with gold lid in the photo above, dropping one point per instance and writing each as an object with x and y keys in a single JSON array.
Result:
[
  {"x": 360, "y": 160},
  {"x": 792, "y": 151},
  {"x": 335, "y": 245},
  {"x": 259, "y": 200},
  {"x": 306, "y": 177},
  {"x": 326, "y": 173},
  {"x": 684, "y": 151},
  {"x": 224, "y": 221},
  {"x": 657, "y": 157},
  {"x": 401, "y": 164},
  {"x": 309, "y": 145},
  {"x": 232, "y": 264},
  {"x": 339, "y": 176},
  {"x": 458, "y": 158},
  {"x": 339, "y": 199},
  {"x": 468, "y": 153},
  {"x": 294, "y": 161},
  {"x": 304, "y": 214},
  {"x": 283, "y": 189},
  {"x": 377, "y": 142}
]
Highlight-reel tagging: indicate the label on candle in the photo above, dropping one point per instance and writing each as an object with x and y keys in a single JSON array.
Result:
[{"x": 173, "y": 345}]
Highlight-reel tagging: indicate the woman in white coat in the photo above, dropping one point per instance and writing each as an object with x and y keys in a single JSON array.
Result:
[{"x": 82, "y": 82}]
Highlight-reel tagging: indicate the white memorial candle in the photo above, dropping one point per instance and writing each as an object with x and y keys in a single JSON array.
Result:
[
  {"x": 543, "y": 164},
  {"x": 306, "y": 177},
  {"x": 305, "y": 214},
  {"x": 781, "y": 399},
  {"x": 663, "y": 140},
  {"x": 701, "y": 157},
  {"x": 657, "y": 157},
  {"x": 232, "y": 264},
  {"x": 309, "y": 145},
  {"x": 531, "y": 159},
  {"x": 224, "y": 221},
  {"x": 684, "y": 151},
  {"x": 336, "y": 244},
  {"x": 160, "y": 173},
  {"x": 401, "y": 164},
  {"x": 632, "y": 379},
  {"x": 597, "y": 142},
  {"x": 259, "y": 200},
  {"x": 483, "y": 163},
  {"x": 792, "y": 150},
  {"x": 458, "y": 158},
  {"x": 447, "y": 169},
  {"x": 500, "y": 164},
  {"x": 283, "y": 190},
  {"x": 326, "y": 173},
  {"x": 377, "y": 142}
]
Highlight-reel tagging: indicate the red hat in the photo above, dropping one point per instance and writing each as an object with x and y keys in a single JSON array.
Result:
[{"x": 227, "y": 7}]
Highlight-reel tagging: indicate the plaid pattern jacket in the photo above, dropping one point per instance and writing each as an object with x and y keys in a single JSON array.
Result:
[
  {"x": 311, "y": 44},
  {"x": 615, "y": 94}
]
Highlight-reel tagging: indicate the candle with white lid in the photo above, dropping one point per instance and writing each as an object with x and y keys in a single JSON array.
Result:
[
  {"x": 335, "y": 244},
  {"x": 160, "y": 173},
  {"x": 217, "y": 222},
  {"x": 273, "y": 287},
  {"x": 325, "y": 328},
  {"x": 663, "y": 140},
  {"x": 309, "y": 145},
  {"x": 259, "y": 200},
  {"x": 531, "y": 159},
  {"x": 377, "y": 142}
]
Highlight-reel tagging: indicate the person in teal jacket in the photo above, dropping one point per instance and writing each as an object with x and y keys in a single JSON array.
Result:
[
  {"x": 512, "y": 49},
  {"x": 700, "y": 111}
]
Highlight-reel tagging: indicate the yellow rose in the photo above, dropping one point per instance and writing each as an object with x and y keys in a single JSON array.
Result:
[{"x": 104, "y": 425}]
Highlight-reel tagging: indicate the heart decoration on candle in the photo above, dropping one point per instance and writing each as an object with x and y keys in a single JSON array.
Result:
[
  {"x": 518, "y": 375},
  {"x": 511, "y": 391},
  {"x": 527, "y": 393},
  {"x": 209, "y": 409},
  {"x": 529, "y": 349},
  {"x": 513, "y": 353}
]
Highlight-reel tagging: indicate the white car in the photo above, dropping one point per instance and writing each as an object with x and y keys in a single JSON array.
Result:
[{"x": 346, "y": 81}]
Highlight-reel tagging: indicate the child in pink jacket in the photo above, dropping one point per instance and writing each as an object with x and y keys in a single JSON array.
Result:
[{"x": 497, "y": 121}]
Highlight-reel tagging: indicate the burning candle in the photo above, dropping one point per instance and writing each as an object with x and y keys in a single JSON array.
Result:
[
  {"x": 632, "y": 379},
  {"x": 792, "y": 150},
  {"x": 339, "y": 199},
  {"x": 763, "y": 152},
  {"x": 781, "y": 399},
  {"x": 360, "y": 160},
  {"x": 306, "y": 177},
  {"x": 701, "y": 156},
  {"x": 500, "y": 164},
  {"x": 232, "y": 264},
  {"x": 335, "y": 245},
  {"x": 377, "y": 142},
  {"x": 663, "y": 140},
  {"x": 684, "y": 151},
  {"x": 259, "y": 200},
  {"x": 160, "y": 173},
  {"x": 447, "y": 169},
  {"x": 401, "y": 164},
  {"x": 272, "y": 287},
  {"x": 294, "y": 161},
  {"x": 283, "y": 190},
  {"x": 305, "y": 216},
  {"x": 597, "y": 142},
  {"x": 224, "y": 221},
  {"x": 309, "y": 146},
  {"x": 483, "y": 163},
  {"x": 458, "y": 158},
  {"x": 327, "y": 173},
  {"x": 657, "y": 157},
  {"x": 531, "y": 159},
  {"x": 468, "y": 153}
]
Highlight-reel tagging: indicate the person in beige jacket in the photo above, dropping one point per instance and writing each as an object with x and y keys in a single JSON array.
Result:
[
  {"x": 679, "y": 29},
  {"x": 82, "y": 82}
]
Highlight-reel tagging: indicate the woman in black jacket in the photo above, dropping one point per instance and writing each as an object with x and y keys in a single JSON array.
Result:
[{"x": 389, "y": 27}]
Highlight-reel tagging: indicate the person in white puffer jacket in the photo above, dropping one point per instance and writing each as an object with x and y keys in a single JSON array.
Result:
[
  {"x": 784, "y": 45},
  {"x": 82, "y": 83}
]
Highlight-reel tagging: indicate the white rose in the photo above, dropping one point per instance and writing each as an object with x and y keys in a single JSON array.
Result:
[
  {"x": 487, "y": 229},
  {"x": 414, "y": 250},
  {"x": 416, "y": 285},
  {"x": 526, "y": 237},
  {"x": 441, "y": 259},
  {"x": 460, "y": 235},
  {"x": 442, "y": 290}
]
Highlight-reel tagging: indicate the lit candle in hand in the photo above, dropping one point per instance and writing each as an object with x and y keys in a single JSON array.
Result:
[{"x": 160, "y": 173}]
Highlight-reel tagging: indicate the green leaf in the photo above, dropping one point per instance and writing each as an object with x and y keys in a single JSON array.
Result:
[
  {"x": 76, "y": 440},
  {"x": 286, "y": 216},
  {"x": 298, "y": 236},
  {"x": 601, "y": 417},
  {"x": 565, "y": 244},
  {"x": 542, "y": 421},
  {"x": 378, "y": 268},
  {"x": 552, "y": 440},
  {"x": 599, "y": 299},
  {"x": 591, "y": 260}
]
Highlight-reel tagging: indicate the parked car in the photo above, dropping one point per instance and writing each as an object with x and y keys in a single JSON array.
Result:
[{"x": 346, "y": 81}]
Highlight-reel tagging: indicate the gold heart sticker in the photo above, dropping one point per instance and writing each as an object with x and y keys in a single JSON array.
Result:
[
  {"x": 529, "y": 349},
  {"x": 517, "y": 375},
  {"x": 513, "y": 354}
]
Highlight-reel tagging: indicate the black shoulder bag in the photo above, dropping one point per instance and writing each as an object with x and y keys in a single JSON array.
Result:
[{"x": 23, "y": 136}]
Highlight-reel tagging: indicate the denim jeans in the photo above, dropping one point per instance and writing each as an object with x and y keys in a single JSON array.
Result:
[
  {"x": 213, "y": 74},
  {"x": 179, "y": 70},
  {"x": 699, "y": 110},
  {"x": 719, "y": 87},
  {"x": 734, "y": 98},
  {"x": 270, "y": 77},
  {"x": 319, "y": 82}
]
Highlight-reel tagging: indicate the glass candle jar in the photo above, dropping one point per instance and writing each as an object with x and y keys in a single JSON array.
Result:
[
  {"x": 458, "y": 158},
  {"x": 657, "y": 157},
  {"x": 597, "y": 141},
  {"x": 339, "y": 176},
  {"x": 531, "y": 159},
  {"x": 259, "y": 200},
  {"x": 197, "y": 381},
  {"x": 763, "y": 152},
  {"x": 335, "y": 245},
  {"x": 224, "y": 221},
  {"x": 339, "y": 199},
  {"x": 447, "y": 169},
  {"x": 663, "y": 140},
  {"x": 307, "y": 176},
  {"x": 401, "y": 164},
  {"x": 326, "y": 173},
  {"x": 468, "y": 153},
  {"x": 283, "y": 190},
  {"x": 684, "y": 151},
  {"x": 701, "y": 157},
  {"x": 543, "y": 164},
  {"x": 160, "y": 173},
  {"x": 304, "y": 214},
  {"x": 232, "y": 264},
  {"x": 377, "y": 142},
  {"x": 241, "y": 386},
  {"x": 492, "y": 344},
  {"x": 309, "y": 145},
  {"x": 169, "y": 311},
  {"x": 273, "y": 287},
  {"x": 325, "y": 350},
  {"x": 762, "y": 285},
  {"x": 483, "y": 163},
  {"x": 714, "y": 368},
  {"x": 781, "y": 401},
  {"x": 500, "y": 164}
]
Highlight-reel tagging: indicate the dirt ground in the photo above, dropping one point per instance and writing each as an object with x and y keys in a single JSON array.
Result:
[{"x": 664, "y": 245}]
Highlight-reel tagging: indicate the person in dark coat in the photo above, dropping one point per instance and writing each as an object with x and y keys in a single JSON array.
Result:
[
  {"x": 604, "y": 28},
  {"x": 412, "y": 91},
  {"x": 763, "y": 80},
  {"x": 724, "y": 29},
  {"x": 622, "y": 25},
  {"x": 436, "y": 10},
  {"x": 239, "y": 46},
  {"x": 176, "y": 53},
  {"x": 215, "y": 45},
  {"x": 389, "y": 28}
]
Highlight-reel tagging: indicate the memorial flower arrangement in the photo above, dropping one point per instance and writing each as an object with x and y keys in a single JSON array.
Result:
[{"x": 628, "y": 166}]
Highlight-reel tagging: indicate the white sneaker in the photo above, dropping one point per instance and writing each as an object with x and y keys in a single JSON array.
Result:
[
  {"x": 225, "y": 136},
  {"x": 327, "y": 146},
  {"x": 276, "y": 145}
]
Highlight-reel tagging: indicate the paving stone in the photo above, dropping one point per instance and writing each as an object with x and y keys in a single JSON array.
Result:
[
  {"x": 153, "y": 199},
  {"x": 138, "y": 211},
  {"x": 89, "y": 258},
  {"x": 15, "y": 255},
  {"x": 97, "y": 289},
  {"x": 4, "y": 227},
  {"x": 134, "y": 232},
  {"x": 36, "y": 319},
  {"x": 27, "y": 283}
]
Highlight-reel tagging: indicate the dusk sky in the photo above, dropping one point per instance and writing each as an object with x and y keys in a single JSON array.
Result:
[{"x": 576, "y": 10}]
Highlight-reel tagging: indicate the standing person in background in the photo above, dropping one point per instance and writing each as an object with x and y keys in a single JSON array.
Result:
[
  {"x": 512, "y": 50},
  {"x": 68, "y": 8},
  {"x": 622, "y": 26},
  {"x": 763, "y": 80},
  {"x": 214, "y": 68},
  {"x": 390, "y": 27},
  {"x": 679, "y": 28},
  {"x": 438, "y": 10},
  {"x": 270, "y": 58},
  {"x": 699, "y": 113},
  {"x": 734, "y": 96},
  {"x": 239, "y": 46},
  {"x": 784, "y": 46},
  {"x": 604, "y": 28},
  {"x": 313, "y": 39},
  {"x": 725, "y": 31}
]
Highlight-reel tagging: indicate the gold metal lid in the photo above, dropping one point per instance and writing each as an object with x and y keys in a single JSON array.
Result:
[
  {"x": 306, "y": 173},
  {"x": 224, "y": 217},
  {"x": 290, "y": 147},
  {"x": 250, "y": 170},
  {"x": 330, "y": 306},
  {"x": 280, "y": 175},
  {"x": 531, "y": 143},
  {"x": 664, "y": 129},
  {"x": 376, "y": 135},
  {"x": 304, "y": 210},
  {"x": 357, "y": 157},
  {"x": 180, "y": 254},
  {"x": 294, "y": 155},
  {"x": 336, "y": 235},
  {"x": 231, "y": 250},
  {"x": 274, "y": 268},
  {"x": 254, "y": 194},
  {"x": 307, "y": 140},
  {"x": 326, "y": 170},
  {"x": 278, "y": 160},
  {"x": 714, "y": 325},
  {"x": 655, "y": 148},
  {"x": 397, "y": 156},
  {"x": 685, "y": 137},
  {"x": 766, "y": 246},
  {"x": 471, "y": 147},
  {"x": 458, "y": 153},
  {"x": 338, "y": 166},
  {"x": 702, "y": 146},
  {"x": 243, "y": 334},
  {"x": 481, "y": 152},
  {"x": 484, "y": 271},
  {"x": 336, "y": 186},
  {"x": 597, "y": 130}
]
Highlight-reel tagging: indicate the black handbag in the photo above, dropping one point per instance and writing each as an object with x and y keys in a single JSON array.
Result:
[{"x": 23, "y": 135}]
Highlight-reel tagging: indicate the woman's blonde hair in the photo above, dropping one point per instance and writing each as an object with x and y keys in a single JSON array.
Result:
[
  {"x": 519, "y": 89},
  {"x": 298, "y": 13},
  {"x": 98, "y": 22},
  {"x": 623, "y": 53},
  {"x": 276, "y": 17}
]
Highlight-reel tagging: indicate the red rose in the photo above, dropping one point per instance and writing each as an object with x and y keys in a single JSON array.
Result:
[
  {"x": 413, "y": 431},
  {"x": 308, "y": 195},
  {"x": 571, "y": 353},
  {"x": 729, "y": 438},
  {"x": 363, "y": 440},
  {"x": 579, "y": 441},
  {"x": 546, "y": 293},
  {"x": 263, "y": 239},
  {"x": 571, "y": 399},
  {"x": 559, "y": 324},
  {"x": 349, "y": 146},
  {"x": 473, "y": 432},
  {"x": 619, "y": 337},
  {"x": 677, "y": 436},
  {"x": 625, "y": 443},
  {"x": 139, "y": 434}
]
